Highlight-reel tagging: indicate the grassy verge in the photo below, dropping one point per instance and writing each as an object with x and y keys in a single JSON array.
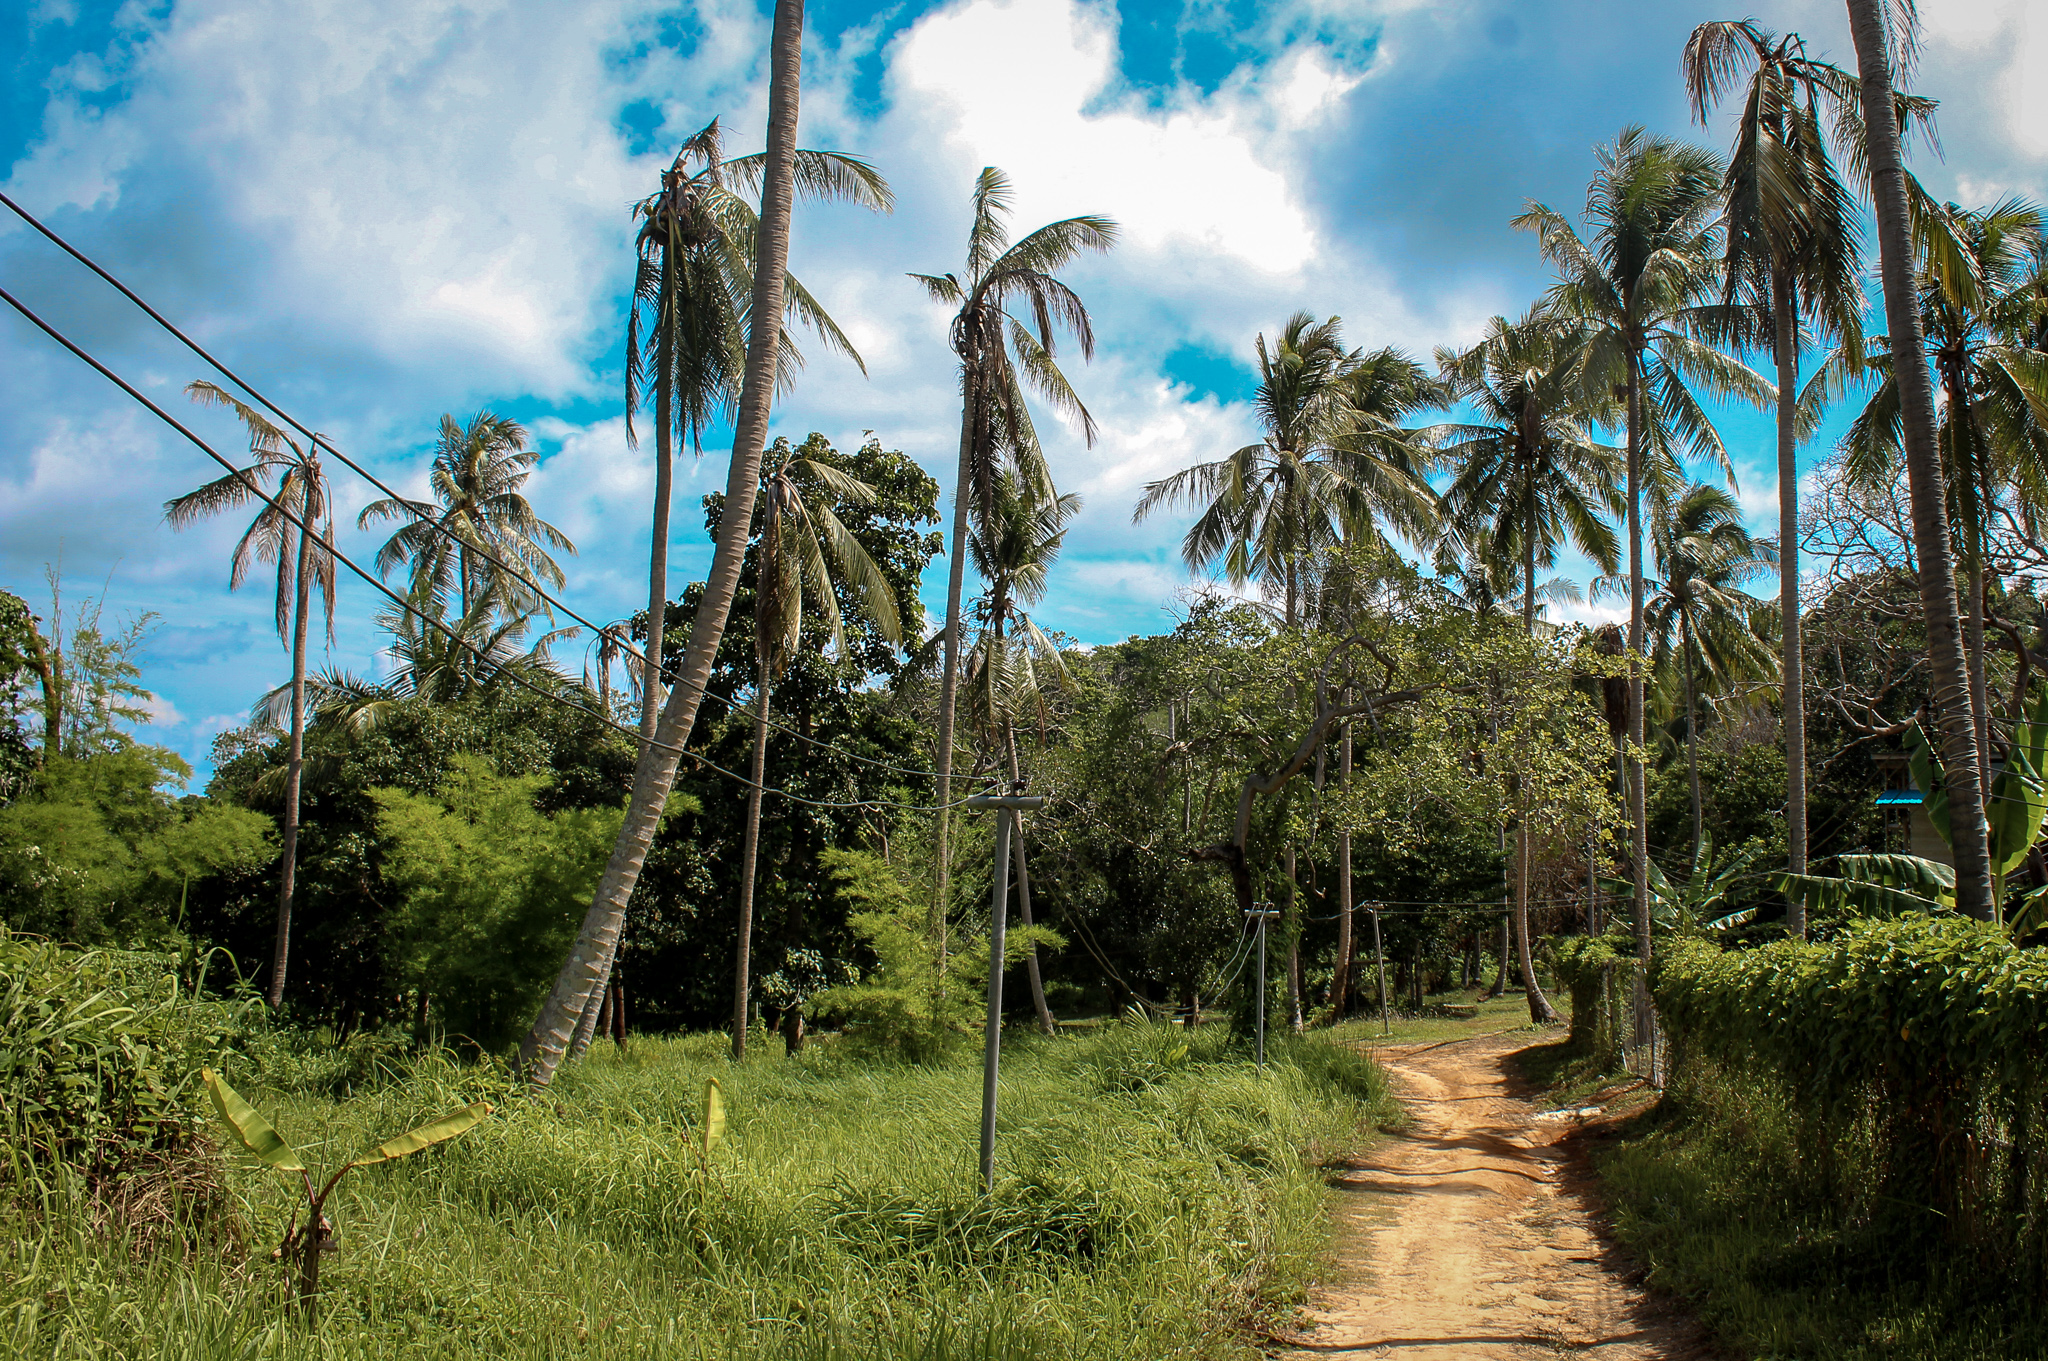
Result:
[
  {"x": 1154, "y": 1193},
  {"x": 1490, "y": 1017}
]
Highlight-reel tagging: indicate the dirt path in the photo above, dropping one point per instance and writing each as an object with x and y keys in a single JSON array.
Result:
[{"x": 1471, "y": 1236}]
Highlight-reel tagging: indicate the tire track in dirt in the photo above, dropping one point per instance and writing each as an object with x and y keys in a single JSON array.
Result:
[{"x": 1472, "y": 1235}]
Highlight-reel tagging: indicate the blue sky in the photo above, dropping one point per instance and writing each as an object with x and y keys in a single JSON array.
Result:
[{"x": 383, "y": 210}]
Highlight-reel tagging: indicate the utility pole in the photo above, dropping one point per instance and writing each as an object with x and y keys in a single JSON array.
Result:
[
  {"x": 1380, "y": 956},
  {"x": 1261, "y": 912},
  {"x": 1007, "y": 807}
]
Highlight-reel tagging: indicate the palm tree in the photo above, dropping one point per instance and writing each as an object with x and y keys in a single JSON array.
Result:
[
  {"x": 1948, "y": 669},
  {"x": 1529, "y": 477},
  {"x": 1327, "y": 469},
  {"x": 575, "y": 987},
  {"x": 803, "y": 557},
  {"x": 1638, "y": 293},
  {"x": 1012, "y": 661},
  {"x": 1980, "y": 296},
  {"x": 1700, "y": 615},
  {"x": 1792, "y": 246},
  {"x": 304, "y": 554},
  {"x": 1000, "y": 357},
  {"x": 1335, "y": 466},
  {"x": 686, "y": 329},
  {"x": 479, "y": 534}
]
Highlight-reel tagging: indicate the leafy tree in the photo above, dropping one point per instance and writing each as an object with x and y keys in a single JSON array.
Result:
[
  {"x": 1000, "y": 357},
  {"x": 295, "y": 530},
  {"x": 489, "y": 887},
  {"x": 21, "y": 650},
  {"x": 98, "y": 853}
]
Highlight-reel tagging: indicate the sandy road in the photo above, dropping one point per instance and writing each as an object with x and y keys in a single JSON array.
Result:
[{"x": 1470, "y": 1235}]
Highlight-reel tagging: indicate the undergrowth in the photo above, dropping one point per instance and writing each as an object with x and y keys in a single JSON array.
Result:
[{"x": 1153, "y": 1193}]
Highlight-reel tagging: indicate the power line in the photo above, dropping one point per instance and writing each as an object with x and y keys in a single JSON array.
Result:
[
  {"x": 501, "y": 670},
  {"x": 320, "y": 441}
]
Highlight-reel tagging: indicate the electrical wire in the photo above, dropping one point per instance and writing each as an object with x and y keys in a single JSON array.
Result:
[
  {"x": 320, "y": 441},
  {"x": 503, "y": 671}
]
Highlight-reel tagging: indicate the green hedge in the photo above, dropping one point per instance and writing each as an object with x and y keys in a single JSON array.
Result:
[
  {"x": 1581, "y": 965},
  {"x": 1912, "y": 1054}
]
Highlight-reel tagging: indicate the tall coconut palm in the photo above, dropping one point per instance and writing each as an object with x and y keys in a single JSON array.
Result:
[
  {"x": 1001, "y": 357},
  {"x": 1325, "y": 469},
  {"x": 304, "y": 554},
  {"x": 1530, "y": 476},
  {"x": 803, "y": 558},
  {"x": 1013, "y": 662},
  {"x": 1640, "y": 291},
  {"x": 1793, "y": 246},
  {"x": 479, "y": 534},
  {"x": 1334, "y": 465},
  {"x": 1948, "y": 669},
  {"x": 686, "y": 329},
  {"x": 1700, "y": 617},
  {"x": 554, "y": 1028}
]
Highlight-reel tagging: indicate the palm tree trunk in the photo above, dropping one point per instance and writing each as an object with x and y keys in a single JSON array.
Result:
[
  {"x": 1974, "y": 506},
  {"x": 1638, "y": 818},
  {"x": 1948, "y": 670},
  {"x": 1540, "y": 1010},
  {"x": 1692, "y": 744},
  {"x": 294, "y": 767},
  {"x": 1340, "y": 986},
  {"x": 743, "y": 961},
  {"x": 1785, "y": 332},
  {"x": 949, "y": 678},
  {"x": 664, "y": 472},
  {"x": 1539, "y": 1006},
  {"x": 654, "y": 774}
]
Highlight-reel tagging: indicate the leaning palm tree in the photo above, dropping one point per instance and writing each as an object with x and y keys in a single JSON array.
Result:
[
  {"x": 803, "y": 558},
  {"x": 1530, "y": 477},
  {"x": 1876, "y": 41},
  {"x": 1640, "y": 293},
  {"x": 1792, "y": 247},
  {"x": 591, "y": 953},
  {"x": 686, "y": 328},
  {"x": 1700, "y": 616},
  {"x": 304, "y": 554},
  {"x": 479, "y": 534},
  {"x": 1326, "y": 470},
  {"x": 1001, "y": 357},
  {"x": 1013, "y": 663}
]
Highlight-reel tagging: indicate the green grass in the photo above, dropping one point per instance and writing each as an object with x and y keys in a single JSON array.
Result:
[
  {"x": 1710, "y": 1190},
  {"x": 1495, "y": 1015},
  {"x": 1154, "y": 1193}
]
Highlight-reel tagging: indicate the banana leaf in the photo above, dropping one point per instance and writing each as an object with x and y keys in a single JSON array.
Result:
[
  {"x": 456, "y": 1122},
  {"x": 254, "y": 1132}
]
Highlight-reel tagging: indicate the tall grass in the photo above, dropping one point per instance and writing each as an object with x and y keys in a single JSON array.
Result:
[{"x": 1153, "y": 1192}]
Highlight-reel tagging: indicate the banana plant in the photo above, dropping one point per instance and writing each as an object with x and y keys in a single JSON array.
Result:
[
  {"x": 2019, "y": 798},
  {"x": 714, "y": 1125},
  {"x": 1877, "y": 886},
  {"x": 1694, "y": 907},
  {"x": 266, "y": 1145}
]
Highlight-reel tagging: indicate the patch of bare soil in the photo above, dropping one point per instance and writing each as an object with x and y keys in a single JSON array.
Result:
[{"x": 1474, "y": 1234}]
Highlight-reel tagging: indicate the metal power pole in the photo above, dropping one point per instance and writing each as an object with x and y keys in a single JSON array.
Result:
[
  {"x": 1007, "y": 807},
  {"x": 1260, "y": 912},
  {"x": 1379, "y": 955}
]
